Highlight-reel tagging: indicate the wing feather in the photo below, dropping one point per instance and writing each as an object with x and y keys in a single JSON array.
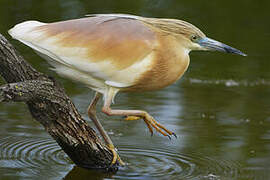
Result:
[{"x": 114, "y": 48}]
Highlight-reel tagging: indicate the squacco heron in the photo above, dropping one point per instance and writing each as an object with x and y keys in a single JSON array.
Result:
[{"x": 110, "y": 53}]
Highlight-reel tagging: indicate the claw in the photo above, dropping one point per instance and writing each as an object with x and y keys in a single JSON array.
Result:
[
  {"x": 151, "y": 122},
  {"x": 116, "y": 157},
  {"x": 174, "y": 135}
]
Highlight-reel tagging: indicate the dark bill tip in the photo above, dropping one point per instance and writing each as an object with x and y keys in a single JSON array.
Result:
[
  {"x": 232, "y": 50},
  {"x": 213, "y": 45}
]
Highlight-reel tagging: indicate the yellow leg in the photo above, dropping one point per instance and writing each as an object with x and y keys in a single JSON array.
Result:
[
  {"x": 107, "y": 139},
  {"x": 134, "y": 115},
  {"x": 116, "y": 157},
  {"x": 132, "y": 118}
]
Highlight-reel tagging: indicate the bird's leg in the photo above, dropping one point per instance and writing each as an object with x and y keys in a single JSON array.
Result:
[
  {"x": 148, "y": 119},
  {"x": 107, "y": 139},
  {"x": 132, "y": 118}
]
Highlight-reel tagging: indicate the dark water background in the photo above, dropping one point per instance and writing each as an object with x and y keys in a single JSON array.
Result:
[{"x": 219, "y": 109}]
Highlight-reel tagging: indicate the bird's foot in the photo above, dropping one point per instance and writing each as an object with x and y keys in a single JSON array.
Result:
[
  {"x": 152, "y": 123},
  {"x": 116, "y": 157},
  {"x": 132, "y": 118}
]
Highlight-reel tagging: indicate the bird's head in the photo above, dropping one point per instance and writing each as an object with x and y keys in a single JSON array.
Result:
[
  {"x": 193, "y": 38},
  {"x": 201, "y": 42}
]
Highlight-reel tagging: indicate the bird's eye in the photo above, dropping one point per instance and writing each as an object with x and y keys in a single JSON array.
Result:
[{"x": 194, "y": 38}]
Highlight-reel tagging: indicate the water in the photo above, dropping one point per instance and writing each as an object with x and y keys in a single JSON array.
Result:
[{"x": 219, "y": 109}]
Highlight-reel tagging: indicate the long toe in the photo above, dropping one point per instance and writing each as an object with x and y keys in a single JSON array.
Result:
[
  {"x": 151, "y": 122},
  {"x": 116, "y": 157}
]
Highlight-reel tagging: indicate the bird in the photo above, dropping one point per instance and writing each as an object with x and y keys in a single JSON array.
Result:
[{"x": 112, "y": 53}]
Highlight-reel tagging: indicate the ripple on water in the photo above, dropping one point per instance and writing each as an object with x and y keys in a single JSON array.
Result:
[
  {"x": 160, "y": 164},
  {"x": 31, "y": 155},
  {"x": 35, "y": 157}
]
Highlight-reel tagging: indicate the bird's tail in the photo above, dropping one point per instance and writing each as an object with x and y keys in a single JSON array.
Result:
[{"x": 19, "y": 31}]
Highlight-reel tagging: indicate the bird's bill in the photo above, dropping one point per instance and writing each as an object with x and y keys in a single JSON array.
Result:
[{"x": 213, "y": 45}]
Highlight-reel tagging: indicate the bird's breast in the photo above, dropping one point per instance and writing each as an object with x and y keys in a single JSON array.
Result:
[{"x": 169, "y": 62}]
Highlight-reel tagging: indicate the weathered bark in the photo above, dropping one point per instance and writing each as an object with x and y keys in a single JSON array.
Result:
[{"x": 50, "y": 106}]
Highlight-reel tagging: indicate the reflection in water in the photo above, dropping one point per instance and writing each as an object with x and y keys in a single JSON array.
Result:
[
  {"x": 84, "y": 174},
  {"x": 230, "y": 82}
]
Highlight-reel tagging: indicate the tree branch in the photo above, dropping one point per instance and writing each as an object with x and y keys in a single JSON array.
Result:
[{"x": 50, "y": 106}]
